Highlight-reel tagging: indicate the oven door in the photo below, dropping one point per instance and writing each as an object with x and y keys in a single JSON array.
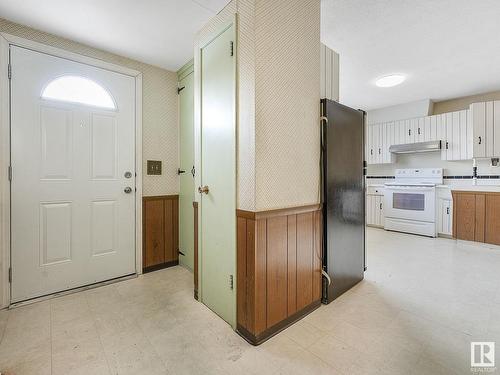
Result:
[{"x": 410, "y": 203}]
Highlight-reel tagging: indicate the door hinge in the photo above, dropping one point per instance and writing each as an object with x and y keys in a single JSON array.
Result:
[
  {"x": 231, "y": 48},
  {"x": 9, "y": 71},
  {"x": 231, "y": 282},
  {"x": 179, "y": 89},
  {"x": 10, "y": 275},
  {"x": 10, "y": 173},
  {"x": 180, "y": 252}
]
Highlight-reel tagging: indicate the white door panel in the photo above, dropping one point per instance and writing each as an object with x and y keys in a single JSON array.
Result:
[{"x": 72, "y": 222}]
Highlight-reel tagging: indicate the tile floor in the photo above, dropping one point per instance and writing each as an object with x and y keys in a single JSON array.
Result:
[{"x": 422, "y": 302}]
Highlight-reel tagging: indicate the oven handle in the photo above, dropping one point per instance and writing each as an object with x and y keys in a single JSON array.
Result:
[{"x": 407, "y": 188}]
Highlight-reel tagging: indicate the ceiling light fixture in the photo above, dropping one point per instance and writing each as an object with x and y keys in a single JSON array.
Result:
[{"x": 390, "y": 80}]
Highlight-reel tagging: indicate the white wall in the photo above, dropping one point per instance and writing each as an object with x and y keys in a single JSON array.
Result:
[{"x": 400, "y": 112}]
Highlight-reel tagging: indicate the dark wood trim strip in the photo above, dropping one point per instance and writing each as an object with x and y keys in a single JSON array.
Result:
[
  {"x": 279, "y": 212},
  {"x": 161, "y": 266},
  {"x": 195, "y": 265},
  {"x": 270, "y": 332}
]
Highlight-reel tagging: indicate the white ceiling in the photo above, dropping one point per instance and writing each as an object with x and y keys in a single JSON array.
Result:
[
  {"x": 158, "y": 32},
  {"x": 448, "y": 48}
]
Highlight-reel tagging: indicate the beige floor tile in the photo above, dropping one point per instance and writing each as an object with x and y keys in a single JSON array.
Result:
[{"x": 304, "y": 334}]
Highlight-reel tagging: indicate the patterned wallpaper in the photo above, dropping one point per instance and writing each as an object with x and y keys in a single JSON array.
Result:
[
  {"x": 160, "y": 123},
  {"x": 287, "y": 103},
  {"x": 278, "y": 102}
]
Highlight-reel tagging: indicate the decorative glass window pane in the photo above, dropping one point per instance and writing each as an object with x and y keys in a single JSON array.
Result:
[{"x": 79, "y": 90}]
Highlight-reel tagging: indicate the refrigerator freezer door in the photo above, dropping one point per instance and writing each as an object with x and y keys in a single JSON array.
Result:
[{"x": 344, "y": 202}]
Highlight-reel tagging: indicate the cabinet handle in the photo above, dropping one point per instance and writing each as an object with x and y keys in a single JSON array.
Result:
[
  {"x": 379, "y": 151},
  {"x": 409, "y": 132},
  {"x": 447, "y": 210},
  {"x": 371, "y": 151},
  {"x": 418, "y": 131},
  {"x": 380, "y": 205},
  {"x": 447, "y": 145},
  {"x": 480, "y": 140}
]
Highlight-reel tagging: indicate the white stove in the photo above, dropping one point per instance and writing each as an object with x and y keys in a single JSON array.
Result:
[{"x": 410, "y": 201}]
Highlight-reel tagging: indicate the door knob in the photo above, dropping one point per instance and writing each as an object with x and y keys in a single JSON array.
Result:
[
  {"x": 127, "y": 190},
  {"x": 203, "y": 189}
]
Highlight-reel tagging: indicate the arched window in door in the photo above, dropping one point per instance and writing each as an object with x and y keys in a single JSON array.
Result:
[{"x": 79, "y": 90}]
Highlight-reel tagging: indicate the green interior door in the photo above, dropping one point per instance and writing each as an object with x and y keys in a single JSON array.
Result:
[
  {"x": 218, "y": 174},
  {"x": 186, "y": 194}
]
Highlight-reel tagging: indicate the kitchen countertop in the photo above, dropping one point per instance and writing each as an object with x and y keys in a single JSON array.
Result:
[
  {"x": 458, "y": 187},
  {"x": 486, "y": 188}
]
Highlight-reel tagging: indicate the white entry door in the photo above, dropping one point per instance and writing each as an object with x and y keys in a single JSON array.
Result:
[{"x": 73, "y": 174}]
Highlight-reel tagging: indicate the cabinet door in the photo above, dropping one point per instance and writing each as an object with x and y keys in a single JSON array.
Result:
[
  {"x": 444, "y": 216},
  {"x": 381, "y": 209},
  {"x": 496, "y": 126},
  {"x": 377, "y": 210},
  {"x": 470, "y": 135},
  {"x": 420, "y": 133},
  {"x": 368, "y": 144},
  {"x": 409, "y": 131},
  {"x": 440, "y": 123},
  {"x": 465, "y": 216},
  {"x": 389, "y": 141},
  {"x": 375, "y": 142},
  {"x": 383, "y": 142},
  {"x": 449, "y": 135},
  {"x": 455, "y": 144},
  {"x": 428, "y": 136},
  {"x": 369, "y": 210},
  {"x": 488, "y": 136},
  {"x": 463, "y": 135},
  {"x": 478, "y": 115},
  {"x": 492, "y": 227}
]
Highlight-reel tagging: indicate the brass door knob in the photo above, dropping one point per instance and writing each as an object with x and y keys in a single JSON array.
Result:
[{"x": 203, "y": 189}]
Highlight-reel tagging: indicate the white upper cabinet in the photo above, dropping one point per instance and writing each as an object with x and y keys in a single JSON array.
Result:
[
  {"x": 485, "y": 117},
  {"x": 464, "y": 134}
]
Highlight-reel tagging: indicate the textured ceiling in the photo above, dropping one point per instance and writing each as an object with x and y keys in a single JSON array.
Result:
[
  {"x": 448, "y": 48},
  {"x": 158, "y": 32}
]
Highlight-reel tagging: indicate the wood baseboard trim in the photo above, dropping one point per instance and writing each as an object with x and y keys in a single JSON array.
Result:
[
  {"x": 255, "y": 215},
  {"x": 160, "y": 266},
  {"x": 277, "y": 328}
]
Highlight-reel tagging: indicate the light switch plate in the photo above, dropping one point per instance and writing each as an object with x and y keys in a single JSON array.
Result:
[{"x": 154, "y": 167}]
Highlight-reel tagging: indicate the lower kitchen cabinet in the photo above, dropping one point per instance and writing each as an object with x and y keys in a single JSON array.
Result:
[
  {"x": 492, "y": 219},
  {"x": 445, "y": 208},
  {"x": 476, "y": 216},
  {"x": 375, "y": 208}
]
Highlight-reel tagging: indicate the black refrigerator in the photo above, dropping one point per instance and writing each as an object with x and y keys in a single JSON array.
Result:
[{"x": 343, "y": 170}]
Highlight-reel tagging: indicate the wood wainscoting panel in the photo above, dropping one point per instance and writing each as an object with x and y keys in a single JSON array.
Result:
[
  {"x": 154, "y": 235},
  {"x": 305, "y": 252},
  {"x": 160, "y": 232},
  {"x": 318, "y": 255},
  {"x": 279, "y": 260},
  {"x": 277, "y": 270},
  {"x": 292, "y": 264},
  {"x": 492, "y": 227},
  {"x": 259, "y": 271}
]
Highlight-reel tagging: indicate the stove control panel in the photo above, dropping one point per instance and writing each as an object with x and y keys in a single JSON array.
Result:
[{"x": 420, "y": 175}]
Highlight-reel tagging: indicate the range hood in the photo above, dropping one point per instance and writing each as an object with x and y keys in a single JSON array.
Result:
[{"x": 415, "y": 147}]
